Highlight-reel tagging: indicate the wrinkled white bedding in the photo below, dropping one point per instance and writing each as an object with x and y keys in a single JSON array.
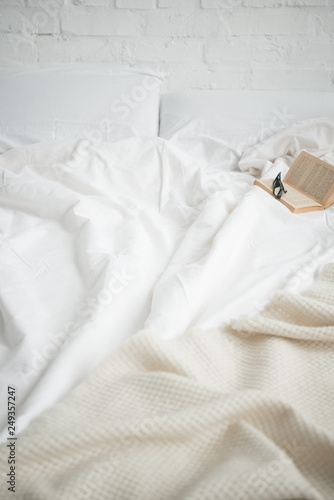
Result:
[
  {"x": 100, "y": 240},
  {"x": 244, "y": 413}
]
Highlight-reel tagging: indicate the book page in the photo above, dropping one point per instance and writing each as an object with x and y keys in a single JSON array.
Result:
[
  {"x": 293, "y": 197},
  {"x": 311, "y": 176}
]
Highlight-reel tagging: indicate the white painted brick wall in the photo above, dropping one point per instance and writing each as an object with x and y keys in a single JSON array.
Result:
[{"x": 260, "y": 44}]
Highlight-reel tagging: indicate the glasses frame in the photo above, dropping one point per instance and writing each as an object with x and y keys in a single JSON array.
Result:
[{"x": 277, "y": 183}]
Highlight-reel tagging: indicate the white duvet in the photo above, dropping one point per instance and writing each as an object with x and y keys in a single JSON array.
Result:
[{"x": 98, "y": 241}]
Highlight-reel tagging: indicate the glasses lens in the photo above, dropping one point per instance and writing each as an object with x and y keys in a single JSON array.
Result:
[
  {"x": 277, "y": 180},
  {"x": 278, "y": 194}
]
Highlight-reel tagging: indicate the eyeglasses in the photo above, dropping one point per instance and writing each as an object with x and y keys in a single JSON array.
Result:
[{"x": 278, "y": 185}]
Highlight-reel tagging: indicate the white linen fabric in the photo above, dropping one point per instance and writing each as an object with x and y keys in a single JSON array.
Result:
[
  {"x": 100, "y": 240},
  {"x": 55, "y": 104},
  {"x": 244, "y": 414},
  {"x": 239, "y": 251},
  {"x": 217, "y": 126}
]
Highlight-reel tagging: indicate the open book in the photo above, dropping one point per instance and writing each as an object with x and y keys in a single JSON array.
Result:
[{"x": 309, "y": 184}]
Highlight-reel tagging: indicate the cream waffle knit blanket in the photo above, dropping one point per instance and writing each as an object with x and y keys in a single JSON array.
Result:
[{"x": 244, "y": 413}]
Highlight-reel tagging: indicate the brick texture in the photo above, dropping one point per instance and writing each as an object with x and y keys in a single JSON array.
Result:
[
  {"x": 135, "y": 4},
  {"x": 267, "y": 44}
]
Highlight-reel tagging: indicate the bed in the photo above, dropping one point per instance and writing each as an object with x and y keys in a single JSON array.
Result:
[{"x": 166, "y": 326}]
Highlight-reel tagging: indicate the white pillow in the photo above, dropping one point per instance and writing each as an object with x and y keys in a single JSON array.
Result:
[
  {"x": 216, "y": 126},
  {"x": 53, "y": 104}
]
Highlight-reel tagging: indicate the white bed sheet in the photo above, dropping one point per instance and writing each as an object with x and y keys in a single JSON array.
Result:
[{"x": 101, "y": 240}]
